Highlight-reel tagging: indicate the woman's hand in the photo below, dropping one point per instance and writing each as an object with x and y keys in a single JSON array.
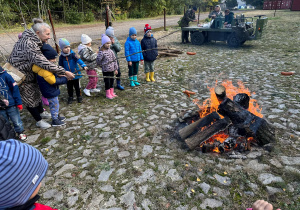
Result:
[
  {"x": 85, "y": 68},
  {"x": 129, "y": 63},
  {"x": 116, "y": 72},
  {"x": 70, "y": 75}
]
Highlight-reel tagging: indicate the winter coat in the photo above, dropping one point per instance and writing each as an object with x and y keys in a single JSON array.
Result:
[
  {"x": 51, "y": 91},
  {"x": 149, "y": 43},
  {"x": 70, "y": 63},
  {"x": 110, "y": 15},
  {"x": 47, "y": 75},
  {"x": 9, "y": 89},
  {"x": 217, "y": 14},
  {"x": 229, "y": 18},
  {"x": 87, "y": 56},
  {"x": 133, "y": 46},
  {"x": 116, "y": 47},
  {"x": 105, "y": 58},
  {"x": 187, "y": 18},
  {"x": 26, "y": 52},
  {"x": 6, "y": 130}
]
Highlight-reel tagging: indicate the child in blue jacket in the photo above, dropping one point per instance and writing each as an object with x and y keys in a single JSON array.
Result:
[
  {"x": 10, "y": 91},
  {"x": 51, "y": 92},
  {"x": 69, "y": 61},
  {"x": 132, "y": 45}
]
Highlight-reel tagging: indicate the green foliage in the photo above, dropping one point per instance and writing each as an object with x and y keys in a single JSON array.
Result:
[
  {"x": 257, "y": 3},
  {"x": 73, "y": 16},
  {"x": 137, "y": 14},
  {"x": 231, "y": 3},
  {"x": 89, "y": 17}
]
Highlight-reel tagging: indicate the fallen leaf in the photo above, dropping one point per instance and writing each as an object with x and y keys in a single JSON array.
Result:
[
  {"x": 187, "y": 165},
  {"x": 225, "y": 172},
  {"x": 283, "y": 189},
  {"x": 225, "y": 181},
  {"x": 193, "y": 191},
  {"x": 47, "y": 149},
  {"x": 198, "y": 180},
  {"x": 214, "y": 193},
  {"x": 200, "y": 169},
  {"x": 168, "y": 205}
]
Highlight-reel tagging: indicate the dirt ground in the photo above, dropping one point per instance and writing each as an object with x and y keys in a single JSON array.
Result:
[{"x": 123, "y": 154}]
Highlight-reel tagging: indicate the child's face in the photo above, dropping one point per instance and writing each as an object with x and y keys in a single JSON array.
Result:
[
  {"x": 149, "y": 34},
  {"x": 107, "y": 45},
  {"x": 133, "y": 36},
  {"x": 52, "y": 60},
  {"x": 89, "y": 44},
  {"x": 66, "y": 50}
]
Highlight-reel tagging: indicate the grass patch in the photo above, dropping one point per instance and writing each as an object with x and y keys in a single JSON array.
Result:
[{"x": 45, "y": 140}]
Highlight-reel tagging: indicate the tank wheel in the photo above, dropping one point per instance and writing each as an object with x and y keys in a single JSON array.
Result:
[
  {"x": 233, "y": 40},
  {"x": 197, "y": 38}
]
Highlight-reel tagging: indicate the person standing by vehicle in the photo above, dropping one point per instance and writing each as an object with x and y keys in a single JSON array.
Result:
[
  {"x": 216, "y": 13},
  {"x": 108, "y": 14},
  {"x": 189, "y": 16}
]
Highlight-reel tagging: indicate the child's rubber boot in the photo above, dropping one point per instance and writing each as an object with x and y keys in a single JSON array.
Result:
[
  {"x": 79, "y": 99},
  {"x": 152, "y": 76},
  {"x": 70, "y": 100},
  {"x": 108, "y": 95},
  {"x": 45, "y": 101},
  {"x": 119, "y": 86},
  {"x": 112, "y": 92},
  {"x": 135, "y": 80},
  {"x": 147, "y": 77},
  {"x": 131, "y": 82}
]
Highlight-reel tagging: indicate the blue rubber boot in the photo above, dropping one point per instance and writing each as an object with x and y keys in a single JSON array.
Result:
[
  {"x": 135, "y": 80},
  {"x": 131, "y": 82},
  {"x": 119, "y": 85}
]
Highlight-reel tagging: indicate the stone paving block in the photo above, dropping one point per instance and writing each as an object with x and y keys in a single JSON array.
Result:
[{"x": 104, "y": 175}]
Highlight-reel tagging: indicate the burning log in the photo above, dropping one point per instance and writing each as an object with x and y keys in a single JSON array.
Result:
[
  {"x": 203, "y": 135},
  {"x": 198, "y": 125},
  {"x": 247, "y": 123}
]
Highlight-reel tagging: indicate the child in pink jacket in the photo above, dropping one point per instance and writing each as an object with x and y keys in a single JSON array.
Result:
[{"x": 106, "y": 59}]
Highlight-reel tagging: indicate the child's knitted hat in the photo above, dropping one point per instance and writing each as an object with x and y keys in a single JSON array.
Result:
[
  {"x": 110, "y": 31},
  {"x": 85, "y": 39},
  {"x": 22, "y": 168},
  {"x": 48, "y": 52},
  {"x": 132, "y": 30},
  {"x": 147, "y": 28},
  {"x": 63, "y": 43},
  {"x": 20, "y": 35},
  {"x": 104, "y": 39}
]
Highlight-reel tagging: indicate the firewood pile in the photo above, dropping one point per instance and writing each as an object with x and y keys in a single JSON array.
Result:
[{"x": 169, "y": 52}]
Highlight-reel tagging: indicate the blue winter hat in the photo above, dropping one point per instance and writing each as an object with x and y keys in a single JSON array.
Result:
[
  {"x": 48, "y": 51},
  {"x": 132, "y": 30},
  {"x": 22, "y": 168},
  {"x": 63, "y": 43}
]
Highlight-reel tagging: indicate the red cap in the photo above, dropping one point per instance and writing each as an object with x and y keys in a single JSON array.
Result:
[{"x": 147, "y": 28}]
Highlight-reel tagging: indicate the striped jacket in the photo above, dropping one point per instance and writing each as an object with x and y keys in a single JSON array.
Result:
[{"x": 26, "y": 52}]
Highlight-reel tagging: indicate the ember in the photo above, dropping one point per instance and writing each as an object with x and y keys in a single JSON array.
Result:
[{"x": 229, "y": 120}]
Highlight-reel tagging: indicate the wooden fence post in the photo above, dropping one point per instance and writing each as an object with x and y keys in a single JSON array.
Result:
[
  {"x": 53, "y": 31},
  {"x": 165, "y": 19}
]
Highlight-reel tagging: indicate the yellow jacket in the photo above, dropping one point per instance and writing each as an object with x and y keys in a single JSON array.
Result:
[{"x": 47, "y": 75}]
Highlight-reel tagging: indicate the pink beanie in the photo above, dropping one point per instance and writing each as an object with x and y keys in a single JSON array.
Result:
[
  {"x": 20, "y": 35},
  {"x": 104, "y": 39}
]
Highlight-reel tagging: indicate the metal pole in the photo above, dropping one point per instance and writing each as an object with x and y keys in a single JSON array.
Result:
[
  {"x": 53, "y": 30},
  {"x": 165, "y": 19},
  {"x": 199, "y": 14},
  {"x": 183, "y": 10},
  {"x": 275, "y": 8}
]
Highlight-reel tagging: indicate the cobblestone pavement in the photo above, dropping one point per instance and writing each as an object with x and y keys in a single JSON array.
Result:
[{"x": 122, "y": 154}]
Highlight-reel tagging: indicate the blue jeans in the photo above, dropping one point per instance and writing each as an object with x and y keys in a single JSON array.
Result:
[
  {"x": 54, "y": 107},
  {"x": 13, "y": 114}
]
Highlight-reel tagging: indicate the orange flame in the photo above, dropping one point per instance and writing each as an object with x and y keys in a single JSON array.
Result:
[{"x": 211, "y": 104}]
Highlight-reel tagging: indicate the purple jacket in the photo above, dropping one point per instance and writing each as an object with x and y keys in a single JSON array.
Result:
[{"x": 107, "y": 60}]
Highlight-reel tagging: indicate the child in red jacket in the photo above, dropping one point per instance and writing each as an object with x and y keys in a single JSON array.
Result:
[{"x": 22, "y": 169}]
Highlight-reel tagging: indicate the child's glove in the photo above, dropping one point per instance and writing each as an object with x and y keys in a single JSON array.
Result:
[{"x": 20, "y": 107}]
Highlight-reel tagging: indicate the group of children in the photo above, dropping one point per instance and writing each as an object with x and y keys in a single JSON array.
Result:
[{"x": 106, "y": 58}]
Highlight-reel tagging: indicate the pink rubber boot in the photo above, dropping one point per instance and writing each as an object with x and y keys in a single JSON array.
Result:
[
  {"x": 45, "y": 101},
  {"x": 108, "y": 95},
  {"x": 112, "y": 92}
]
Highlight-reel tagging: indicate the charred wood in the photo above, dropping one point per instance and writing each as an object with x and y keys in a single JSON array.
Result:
[{"x": 202, "y": 136}]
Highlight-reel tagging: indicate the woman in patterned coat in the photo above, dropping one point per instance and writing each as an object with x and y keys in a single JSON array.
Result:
[{"x": 26, "y": 53}]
